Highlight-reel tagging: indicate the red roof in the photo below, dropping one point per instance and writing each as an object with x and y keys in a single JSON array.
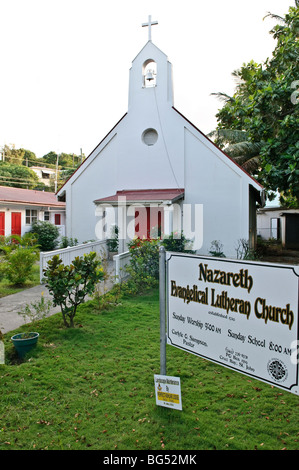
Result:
[
  {"x": 144, "y": 195},
  {"x": 29, "y": 196}
]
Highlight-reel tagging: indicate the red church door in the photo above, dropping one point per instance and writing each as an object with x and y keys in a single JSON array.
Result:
[
  {"x": 149, "y": 222},
  {"x": 16, "y": 223},
  {"x": 2, "y": 223}
]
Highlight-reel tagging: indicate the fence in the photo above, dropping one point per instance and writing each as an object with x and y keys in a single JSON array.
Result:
[
  {"x": 120, "y": 261},
  {"x": 67, "y": 255}
]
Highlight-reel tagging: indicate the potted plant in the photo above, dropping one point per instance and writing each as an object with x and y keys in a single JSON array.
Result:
[
  {"x": 24, "y": 342},
  {"x": 112, "y": 242}
]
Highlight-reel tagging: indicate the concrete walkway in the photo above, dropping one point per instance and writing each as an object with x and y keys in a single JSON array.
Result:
[{"x": 14, "y": 303}]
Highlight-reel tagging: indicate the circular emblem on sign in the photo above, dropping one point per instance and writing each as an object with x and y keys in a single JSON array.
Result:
[{"x": 277, "y": 370}]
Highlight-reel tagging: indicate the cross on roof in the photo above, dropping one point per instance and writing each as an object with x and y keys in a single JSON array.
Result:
[{"x": 150, "y": 23}]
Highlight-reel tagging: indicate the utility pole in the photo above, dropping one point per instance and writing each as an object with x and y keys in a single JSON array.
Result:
[{"x": 56, "y": 177}]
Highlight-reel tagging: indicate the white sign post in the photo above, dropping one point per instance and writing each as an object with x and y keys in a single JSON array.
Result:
[{"x": 240, "y": 314}]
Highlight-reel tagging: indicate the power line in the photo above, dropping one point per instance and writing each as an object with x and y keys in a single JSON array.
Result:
[
  {"x": 15, "y": 178},
  {"x": 51, "y": 166},
  {"x": 29, "y": 183},
  {"x": 18, "y": 180}
]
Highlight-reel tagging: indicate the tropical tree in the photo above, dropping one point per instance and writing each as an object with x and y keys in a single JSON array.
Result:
[
  {"x": 12, "y": 155},
  {"x": 64, "y": 160},
  {"x": 18, "y": 176},
  {"x": 30, "y": 159},
  {"x": 265, "y": 107},
  {"x": 237, "y": 145}
]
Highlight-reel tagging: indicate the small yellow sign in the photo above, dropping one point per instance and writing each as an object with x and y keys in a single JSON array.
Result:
[
  {"x": 171, "y": 397},
  {"x": 168, "y": 391}
]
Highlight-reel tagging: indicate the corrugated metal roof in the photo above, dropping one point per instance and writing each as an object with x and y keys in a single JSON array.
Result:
[
  {"x": 29, "y": 196},
  {"x": 144, "y": 195}
]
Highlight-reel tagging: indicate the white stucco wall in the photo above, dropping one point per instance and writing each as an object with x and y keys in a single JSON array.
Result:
[
  {"x": 9, "y": 208},
  {"x": 210, "y": 180},
  {"x": 264, "y": 222}
]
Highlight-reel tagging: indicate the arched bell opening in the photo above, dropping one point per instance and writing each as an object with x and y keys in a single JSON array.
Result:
[{"x": 149, "y": 73}]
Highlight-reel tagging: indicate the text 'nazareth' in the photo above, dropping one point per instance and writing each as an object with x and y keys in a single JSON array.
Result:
[{"x": 240, "y": 279}]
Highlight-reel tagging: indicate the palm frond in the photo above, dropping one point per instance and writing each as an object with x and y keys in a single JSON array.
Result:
[
  {"x": 246, "y": 148},
  {"x": 223, "y": 97},
  {"x": 227, "y": 136},
  {"x": 275, "y": 17},
  {"x": 251, "y": 165},
  {"x": 236, "y": 145}
]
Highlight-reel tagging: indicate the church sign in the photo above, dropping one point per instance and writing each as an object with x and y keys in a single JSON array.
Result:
[{"x": 239, "y": 314}]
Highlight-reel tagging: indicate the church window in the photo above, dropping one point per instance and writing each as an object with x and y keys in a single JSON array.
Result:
[
  {"x": 150, "y": 137},
  {"x": 149, "y": 72}
]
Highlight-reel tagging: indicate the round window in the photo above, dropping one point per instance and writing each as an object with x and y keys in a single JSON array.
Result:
[{"x": 150, "y": 137}]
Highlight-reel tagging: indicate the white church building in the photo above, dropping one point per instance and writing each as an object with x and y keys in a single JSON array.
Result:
[{"x": 156, "y": 173}]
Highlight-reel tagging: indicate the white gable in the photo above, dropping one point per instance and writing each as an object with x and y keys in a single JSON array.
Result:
[{"x": 154, "y": 147}]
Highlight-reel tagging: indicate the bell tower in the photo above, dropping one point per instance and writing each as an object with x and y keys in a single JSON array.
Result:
[{"x": 150, "y": 74}]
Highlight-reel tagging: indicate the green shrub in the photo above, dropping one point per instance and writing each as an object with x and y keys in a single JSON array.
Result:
[
  {"x": 2, "y": 268},
  {"x": 19, "y": 257},
  {"x": 13, "y": 242},
  {"x": 65, "y": 242},
  {"x": 244, "y": 251},
  {"x": 112, "y": 242},
  {"x": 36, "y": 310},
  {"x": 19, "y": 265},
  {"x": 177, "y": 242},
  {"x": 138, "y": 282},
  {"x": 143, "y": 270},
  {"x": 47, "y": 235},
  {"x": 216, "y": 249},
  {"x": 69, "y": 285},
  {"x": 145, "y": 256}
]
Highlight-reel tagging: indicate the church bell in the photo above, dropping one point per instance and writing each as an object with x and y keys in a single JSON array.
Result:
[{"x": 149, "y": 75}]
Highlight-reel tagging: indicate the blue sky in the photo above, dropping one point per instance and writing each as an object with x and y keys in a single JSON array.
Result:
[{"x": 65, "y": 63}]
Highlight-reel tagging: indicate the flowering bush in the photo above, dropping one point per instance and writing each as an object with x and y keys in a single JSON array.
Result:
[
  {"x": 143, "y": 269},
  {"x": 145, "y": 256},
  {"x": 144, "y": 263}
]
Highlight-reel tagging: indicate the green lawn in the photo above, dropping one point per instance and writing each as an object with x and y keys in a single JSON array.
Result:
[{"x": 92, "y": 387}]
